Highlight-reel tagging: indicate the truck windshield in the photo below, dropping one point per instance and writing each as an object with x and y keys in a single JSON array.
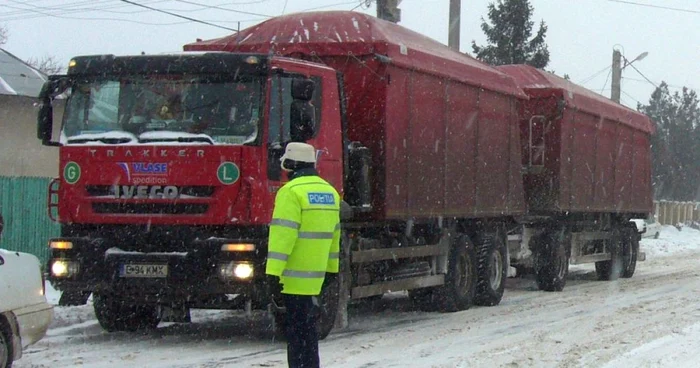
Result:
[{"x": 180, "y": 108}]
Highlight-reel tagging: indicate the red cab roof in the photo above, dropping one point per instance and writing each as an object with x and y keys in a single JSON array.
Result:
[
  {"x": 351, "y": 34},
  {"x": 539, "y": 83}
]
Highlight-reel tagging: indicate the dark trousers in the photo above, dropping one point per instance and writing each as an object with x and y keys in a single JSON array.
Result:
[{"x": 302, "y": 336}]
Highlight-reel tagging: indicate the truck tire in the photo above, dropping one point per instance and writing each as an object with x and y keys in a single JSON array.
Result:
[
  {"x": 612, "y": 269},
  {"x": 116, "y": 315},
  {"x": 492, "y": 264},
  {"x": 630, "y": 251},
  {"x": 552, "y": 260},
  {"x": 459, "y": 290},
  {"x": 328, "y": 307}
]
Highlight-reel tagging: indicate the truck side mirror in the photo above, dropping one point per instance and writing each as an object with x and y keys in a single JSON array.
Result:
[
  {"x": 45, "y": 119},
  {"x": 49, "y": 90},
  {"x": 301, "y": 112}
]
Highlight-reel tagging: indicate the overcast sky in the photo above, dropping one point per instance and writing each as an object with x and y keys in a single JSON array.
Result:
[{"x": 581, "y": 35}]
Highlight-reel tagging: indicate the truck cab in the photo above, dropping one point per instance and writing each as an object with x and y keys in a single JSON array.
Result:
[{"x": 169, "y": 166}]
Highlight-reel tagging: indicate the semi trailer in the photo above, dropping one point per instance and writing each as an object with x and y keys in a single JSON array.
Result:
[{"x": 451, "y": 171}]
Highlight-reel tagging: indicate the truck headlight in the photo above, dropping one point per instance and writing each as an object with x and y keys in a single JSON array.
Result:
[
  {"x": 64, "y": 268},
  {"x": 238, "y": 270}
]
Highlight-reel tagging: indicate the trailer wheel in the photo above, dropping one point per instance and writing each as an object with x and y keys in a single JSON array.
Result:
[
  {"x": 552, "y": 261},
  {"x": 491, "y": 269},
  {"x": 630, "y": 251},
  {"x": 459, "y": 290},
  {"x": 612, "y": 269},
  {"x": 114, "y": 315}
]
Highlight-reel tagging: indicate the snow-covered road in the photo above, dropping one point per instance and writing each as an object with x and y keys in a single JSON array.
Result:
[{"x": 650, "y": 320}]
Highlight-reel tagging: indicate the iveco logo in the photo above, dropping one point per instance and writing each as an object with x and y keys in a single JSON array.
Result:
[{"x": 145, "y": 192}]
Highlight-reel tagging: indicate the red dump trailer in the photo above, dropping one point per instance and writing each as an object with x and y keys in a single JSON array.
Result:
[
  {"x": 431, "y": 149},
  {"x": 587, "y": 160}
]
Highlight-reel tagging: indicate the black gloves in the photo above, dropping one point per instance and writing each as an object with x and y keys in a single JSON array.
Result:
[
  {"x": 330, "y": 279},
  {"x": 274, "y": 288}
]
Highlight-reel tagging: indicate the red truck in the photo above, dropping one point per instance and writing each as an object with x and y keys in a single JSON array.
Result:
[{"x": 450, "y": 170}]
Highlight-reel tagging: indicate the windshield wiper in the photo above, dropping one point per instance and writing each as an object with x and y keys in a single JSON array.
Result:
[
  {"x": 103, "y": 140},
  {"x": 110, "y": 137},
  {"x": 177, "y": 139}
]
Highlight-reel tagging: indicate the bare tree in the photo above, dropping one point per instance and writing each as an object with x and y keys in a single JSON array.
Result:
[{"x": 48, "y": 64}]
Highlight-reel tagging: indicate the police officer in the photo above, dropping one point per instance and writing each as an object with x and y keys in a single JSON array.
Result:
[{"x": 304, "y": 244}]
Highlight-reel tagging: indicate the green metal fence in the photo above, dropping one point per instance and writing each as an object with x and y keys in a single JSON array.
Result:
[{"x": 23, "y": 206}]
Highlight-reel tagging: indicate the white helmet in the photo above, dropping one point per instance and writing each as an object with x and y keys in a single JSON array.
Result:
[{"x": 299, "y": 152}]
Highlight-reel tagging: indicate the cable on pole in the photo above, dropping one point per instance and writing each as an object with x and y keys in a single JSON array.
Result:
[{"x": 178, "y": 15}]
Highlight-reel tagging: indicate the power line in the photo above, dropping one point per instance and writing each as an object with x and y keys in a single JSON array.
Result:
[
  {"x": 219, "y": 8},
  {"x": 586, "y": 80},
  {"x": 669, "y": 85},
  {"x": 333, "y": 5},
  {"x": 80, "y": 18},
  {"x": 630, "y": 96},
  {"x": 28, "y": 13},
  {"x": 645, "y": 77},
  {"x": 606, "y": 81},
  {"x": 656, "y": 6},
  {"x": 179, "y": 16}
]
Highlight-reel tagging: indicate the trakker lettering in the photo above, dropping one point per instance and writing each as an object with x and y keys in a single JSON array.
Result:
[
  {"x": 145, "y": 192},
  {"x": 148, "y": 153}
]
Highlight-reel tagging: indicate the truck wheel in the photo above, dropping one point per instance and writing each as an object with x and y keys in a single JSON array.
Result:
[
  {"x": 612, "y": 269},
  {"x": 491, "y": 269},
  {"x": 552, "y": 261},
  {"x": 115, "y": 315},
  {"x": 630, "y": 251},
  {"x": 459, "y": 290},
  {"x": 328, "y": 301},
  {"x": 5, "y": 347}
]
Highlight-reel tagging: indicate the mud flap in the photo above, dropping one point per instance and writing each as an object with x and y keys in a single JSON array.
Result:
[
  {"x": 72, "y": 297},
  {"x": 176, "y": 313}
]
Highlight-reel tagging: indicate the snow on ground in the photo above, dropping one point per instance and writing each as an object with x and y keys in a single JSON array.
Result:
[{"x": 650, "y": 320}]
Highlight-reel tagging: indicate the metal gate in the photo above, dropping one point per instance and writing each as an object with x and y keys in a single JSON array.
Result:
[{"x": 23, "y": 203}]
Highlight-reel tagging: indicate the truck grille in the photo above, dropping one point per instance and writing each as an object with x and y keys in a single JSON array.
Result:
[{"x": 151, "y": 208}]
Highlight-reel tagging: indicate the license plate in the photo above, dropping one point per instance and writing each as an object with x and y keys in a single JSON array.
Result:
[{"x": 144, "y": 270}]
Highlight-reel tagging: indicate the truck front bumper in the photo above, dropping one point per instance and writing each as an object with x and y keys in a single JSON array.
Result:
[{"x": 204, "y": 275}]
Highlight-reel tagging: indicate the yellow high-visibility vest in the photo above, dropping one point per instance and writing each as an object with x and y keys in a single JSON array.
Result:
[{"x": 304, "y": 239}]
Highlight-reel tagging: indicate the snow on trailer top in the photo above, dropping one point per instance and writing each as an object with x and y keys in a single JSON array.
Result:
[
  {"x": 346, "y": 33},
  {"x": 540, "y": 83}
]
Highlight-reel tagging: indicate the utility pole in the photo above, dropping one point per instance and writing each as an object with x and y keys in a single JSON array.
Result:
[
  {"x": 389, "y": 10},
  {"x": 616, "y": 76},
  {"x": 454, "y": 26}
]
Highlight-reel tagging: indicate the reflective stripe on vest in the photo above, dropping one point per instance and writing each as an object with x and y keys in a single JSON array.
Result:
[
  {"x": 277, "y": 255},
  {"x": 304, "y": 274},
  {"x": 315, "y": 235},
  {"x": 285, "y": 223}
]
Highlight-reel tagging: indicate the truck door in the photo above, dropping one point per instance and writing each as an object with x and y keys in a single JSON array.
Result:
[{"x": 325, "y": 134}]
